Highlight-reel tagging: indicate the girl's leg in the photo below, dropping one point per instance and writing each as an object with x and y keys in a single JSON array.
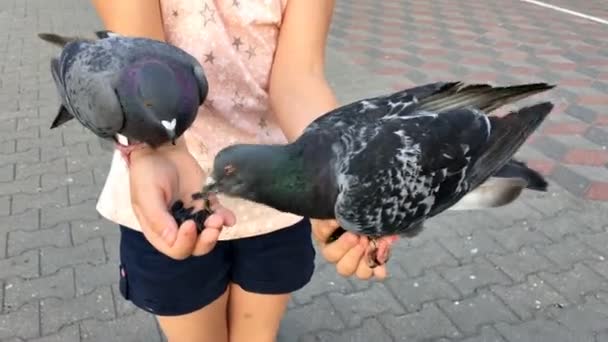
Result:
[
  {"x": 254, "y": 317},
  {"x": 204, "y": 325},
  {"x": 188, "y": 297},
  {"x": 266, "y": 269}
]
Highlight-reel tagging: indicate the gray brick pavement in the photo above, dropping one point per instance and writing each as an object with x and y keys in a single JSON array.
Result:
[{"x": 532, "y": 271}]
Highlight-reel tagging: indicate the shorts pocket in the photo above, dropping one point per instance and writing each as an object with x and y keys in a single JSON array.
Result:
[{"x": 123, "y": 283}]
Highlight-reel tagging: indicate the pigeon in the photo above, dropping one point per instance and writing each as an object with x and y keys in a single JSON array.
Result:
[
  {"x": 382, "y": 166},
  {"x": 128, "y": 90}
]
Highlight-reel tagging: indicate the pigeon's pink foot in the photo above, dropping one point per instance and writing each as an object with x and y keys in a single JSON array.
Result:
[
  {"x": 125, "y": 150},
  {"x": 380, "y": 250}
]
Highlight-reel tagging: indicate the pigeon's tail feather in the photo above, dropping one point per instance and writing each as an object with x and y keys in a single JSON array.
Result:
[
  {"x": 495, "y": 192},
  {"x": 480, "y": 96},
  {"x": 56, "y": 39},
  {"x": 508, "y": 133},
  {"x": 518, "y": 169}
]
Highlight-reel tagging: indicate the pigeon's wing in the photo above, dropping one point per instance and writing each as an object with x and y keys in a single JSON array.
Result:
[
  {"x": 395, "y": 174},
  {"x": 89, "y": 82},
  {"x": 368, "y": 110},
  {"x": 63, "y": 114}
]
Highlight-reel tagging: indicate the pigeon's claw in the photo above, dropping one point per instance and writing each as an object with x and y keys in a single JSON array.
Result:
[
  {"x": 379, "y": 251},
  {"x": 125, "y": 150}
]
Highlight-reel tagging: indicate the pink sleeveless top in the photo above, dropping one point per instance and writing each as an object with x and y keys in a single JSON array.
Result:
[{"x": 235, "y": 41}]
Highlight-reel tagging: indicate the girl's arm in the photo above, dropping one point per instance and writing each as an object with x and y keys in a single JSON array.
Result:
[
  {"x": 139, "y": 18},
  {"x": 298, "y": 90},
  {"x": 299, "y": 93}
]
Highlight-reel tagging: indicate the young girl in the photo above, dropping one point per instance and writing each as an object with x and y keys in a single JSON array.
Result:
[{"x": 264, "y": 60}]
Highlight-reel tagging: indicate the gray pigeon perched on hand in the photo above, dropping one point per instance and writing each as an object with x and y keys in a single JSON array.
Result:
[
  {"x": 382, "y": 166},
  {"x": 140, "y": 89}
]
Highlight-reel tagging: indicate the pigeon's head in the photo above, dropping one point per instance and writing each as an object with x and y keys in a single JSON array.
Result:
[
  {"x": 243, "y": 170},
  {"x": 160, "y": 99}
]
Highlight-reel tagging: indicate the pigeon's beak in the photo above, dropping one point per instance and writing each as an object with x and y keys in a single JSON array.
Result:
[{"x": 211, "y": 185}]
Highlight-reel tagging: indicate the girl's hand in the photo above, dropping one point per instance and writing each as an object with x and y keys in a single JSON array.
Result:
[
  {"x": 160, "y": 177},
  {"x": 347, "y": 252}
]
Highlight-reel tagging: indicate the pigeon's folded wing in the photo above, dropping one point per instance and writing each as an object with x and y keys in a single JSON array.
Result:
[{"x": 402, "y": 170}]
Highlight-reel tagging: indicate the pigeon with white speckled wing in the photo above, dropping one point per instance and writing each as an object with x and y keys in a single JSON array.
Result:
[
  {"x": 142, "y": 89},
  {"x": 384, "y": 165}
]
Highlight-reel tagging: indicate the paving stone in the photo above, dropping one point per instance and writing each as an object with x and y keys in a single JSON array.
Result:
[
  {"x": 557, "y": 228},
  {"x": 59, "y": 154},
  {"x": 319, "y": 315},
  {"x": 51, "y": 181},
  {"x": 540, "y": 330},
  {"x": 123, "y": 307},
  {"x": 86, "y": 230},
  {"x": 596, "y": 241},
  {"x": 53, "y": 258},
  {"x": 480, "y": 273},
  {"x": 528, "y": 298},
  {"x": 479, "y": 242},
  {"x": 324, "y": 281},
  {"x": 5, "y": 205},
  {"x": 488, "y": 334},
  {"x": 429, "y": 323},
  {"x": 24, "y": 265},
  {"x": 570, "y": 251},
  {"x": 470, "y": 313},
  {"x": 50, "y": 199},
  {"x": 370, "y": 327},
  {"x": 140, "y": 326},
  {"x": 68, "y": 333},
  {"x": 19, "y": 291},
  {"x": 353, "y": 308},
  {"x": 585, "y": 318},
  {"x": 88, "y": 277},
  {"x": 22, "y": 322},
  {"x": 415, "y": 260},
  {"x": 518, "y": 236},
  {"x": 412, "y": 292},
  {"x": 78, "y": 194},
  {"x": 56, "y": 313},
  {"x": 28, "y": 220},
  {"x": 7, "y": 173},
  {"x": 575, "y": 283},
  {"x": 519, "y": 264},
  {"x": 22, "y": 240},
  {"x": 83, "y": 211}
]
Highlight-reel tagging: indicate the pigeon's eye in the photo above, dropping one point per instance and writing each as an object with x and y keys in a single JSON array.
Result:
[{"x": 229, "y": 169}]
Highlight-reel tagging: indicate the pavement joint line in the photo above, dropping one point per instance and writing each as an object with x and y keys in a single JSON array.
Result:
[{"x": 567, "y": 11}]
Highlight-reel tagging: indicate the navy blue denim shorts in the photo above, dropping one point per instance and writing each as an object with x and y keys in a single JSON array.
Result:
[{"x": 275, "y": 263}]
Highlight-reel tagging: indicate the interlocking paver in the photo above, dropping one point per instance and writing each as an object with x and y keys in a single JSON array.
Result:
[
  {"x": 570, "y": 284},
  {"x": 471, "y": 313},
  {"x": 428, "y": 323},
  {"x": 54, "y": 258},
  {"x": 22, "y": 322},
  {"x": 531, "y": 271},
  {"x": 56, "y": 313},
  {"x": 21, "y": 291},
  {"x": 22, "y": 240},
  {"x": 68, "y": 333},
  {"x": 530, "y": 297}
]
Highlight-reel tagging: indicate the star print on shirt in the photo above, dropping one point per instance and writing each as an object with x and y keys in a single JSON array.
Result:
[
  {"x": 236, "y": 3},
  {"x": 250, "y": 51},
  {"x": 208, "y": 14},
  {"x": 175, "y": 13},
  {"x": 237, "y": 100},
  {"x": 262, "y": 123},
  {"x": 209, "y": 57},
  {"x": 237, "y": 42}
]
